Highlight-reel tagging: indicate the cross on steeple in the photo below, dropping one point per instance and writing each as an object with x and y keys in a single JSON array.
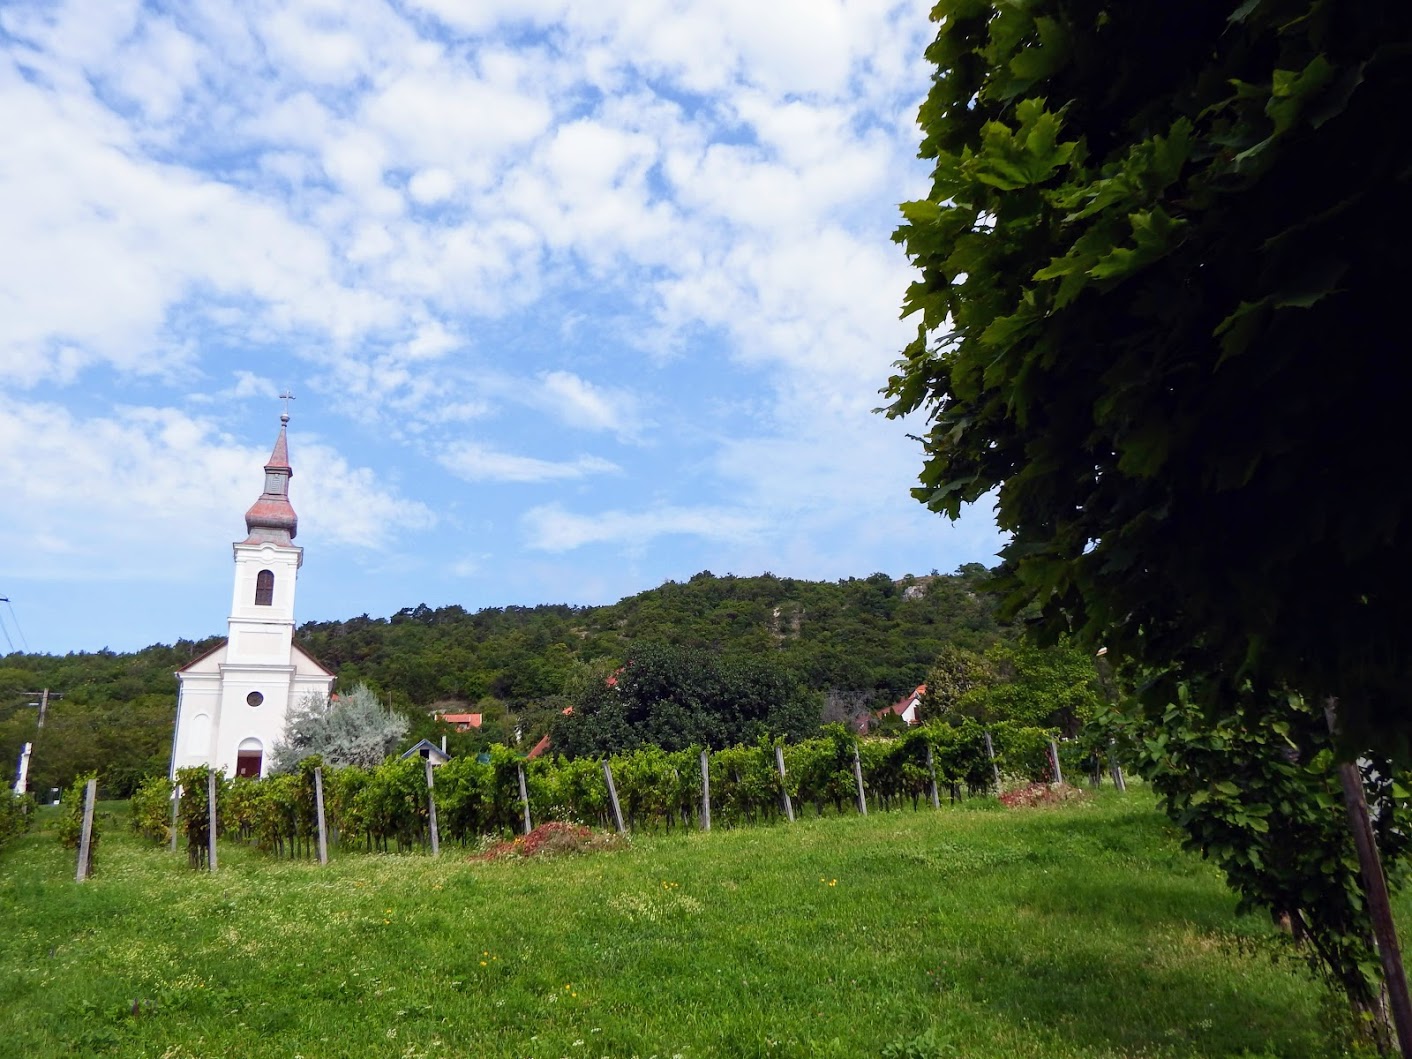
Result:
[{"x": 286, "y": 397}]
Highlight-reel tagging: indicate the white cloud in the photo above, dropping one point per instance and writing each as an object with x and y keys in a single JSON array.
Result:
[
  {"x": 476, "y": 463},
  {"x": 579, "y": 403},
  {"x": 429, "y": 215},
  {"x": 551, "y": 528},
  {"x": 351, "y": 505},
  {"x": 432, "y": 185},
  {"x": 248, "y": 384},
  {"x": 149, "y": 492}
]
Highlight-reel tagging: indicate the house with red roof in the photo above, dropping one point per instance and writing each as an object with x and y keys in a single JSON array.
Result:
[
  {"x": 462, "y": 722},
  {"x": 905, "y": 707}
]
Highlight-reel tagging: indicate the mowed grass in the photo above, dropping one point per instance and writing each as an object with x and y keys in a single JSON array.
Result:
[{"x": 1078, "y": 931}]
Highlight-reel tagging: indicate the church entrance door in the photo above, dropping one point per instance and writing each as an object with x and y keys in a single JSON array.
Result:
[{"x": 249, "y": 758}]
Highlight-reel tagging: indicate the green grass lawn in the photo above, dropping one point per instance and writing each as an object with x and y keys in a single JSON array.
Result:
[{"x": 1079, "y": 931}]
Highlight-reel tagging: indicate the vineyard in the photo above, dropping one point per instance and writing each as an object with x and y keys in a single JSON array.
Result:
[{"x": 388, "y": 808}]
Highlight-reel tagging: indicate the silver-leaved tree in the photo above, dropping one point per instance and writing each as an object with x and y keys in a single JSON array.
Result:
[{"x": 352, "y": 729}]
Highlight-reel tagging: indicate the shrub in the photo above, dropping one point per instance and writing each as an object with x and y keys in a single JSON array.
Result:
[
  {"x": 151, "y": 807},
  {"x": 15, "y": 813}
]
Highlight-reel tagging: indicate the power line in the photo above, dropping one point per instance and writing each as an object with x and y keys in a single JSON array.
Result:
[
  {"x": 16, "y": 619},
  {"x": 6, "y": 600}
]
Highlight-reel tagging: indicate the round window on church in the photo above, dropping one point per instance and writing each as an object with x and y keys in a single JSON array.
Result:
[{"x": 254, "y": 698}]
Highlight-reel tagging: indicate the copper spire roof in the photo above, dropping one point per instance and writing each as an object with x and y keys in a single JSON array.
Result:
[{"x": 271, "y": 518}]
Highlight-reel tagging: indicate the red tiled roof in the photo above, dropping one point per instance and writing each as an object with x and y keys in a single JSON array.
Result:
[
  {"x": 272, "y": 510},
  {"x": 900, "y": 706},
  {"x": 543, "y": 745},
  {"x": 469, "y": 720},
  {"x": 272, "y": 518}
]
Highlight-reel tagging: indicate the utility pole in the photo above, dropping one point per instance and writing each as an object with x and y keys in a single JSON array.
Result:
[
  {"x": 22, "y": 779},
  {"x": 43, "y": 705}
]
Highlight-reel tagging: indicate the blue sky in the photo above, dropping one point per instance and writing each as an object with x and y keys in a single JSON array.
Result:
[{"x": 574, "y": 299}]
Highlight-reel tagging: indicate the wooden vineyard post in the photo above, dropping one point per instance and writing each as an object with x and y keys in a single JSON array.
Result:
[
  {"x": 1379, "y": 906},
  {"x": 1105, "y": 672},
  {"x": 176, "y": 810},
  {"x": 1054, "y": 760},
  {"x": 319, "y": 813},
  {"x": 784, "y": 790},
  {"x": 211, "y": 818},
  {"x": 990, "y": 755},
  {"x": 85, "y": 838},
  {"x": 931, "y": 786},
  {"x": 1115, "y": 768},
  {"x": 524, "y": 799},
  {"x": 613, "y": 798},
  {"x": 858, "y": 776},
  {"x": 431, "y": 814},
  {"x": 705, "y": 792},
  {"x": 1375, "y": 890}
]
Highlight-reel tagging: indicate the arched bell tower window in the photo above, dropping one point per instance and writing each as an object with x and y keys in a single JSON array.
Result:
[{"x": 265, "y": 588}]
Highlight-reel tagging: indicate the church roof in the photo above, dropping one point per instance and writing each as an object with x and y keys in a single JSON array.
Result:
[
  {"x": 296, "y": 649},
  {"x": 272, "y": 518},
  {"x": 204, "y": 655},
  {"x": 279, "y": 458},
  {"x": 314, "y": 661}
]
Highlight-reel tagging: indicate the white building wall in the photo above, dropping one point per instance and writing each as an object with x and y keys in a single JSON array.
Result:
[
  {"x": 240, "y": 721},
  {"x": 214, "y": 716}
]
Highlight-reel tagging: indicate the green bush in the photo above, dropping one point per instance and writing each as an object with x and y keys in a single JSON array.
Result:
[
  {"x": 15, "y": 813},
  {"x": 151, "y": 807}
]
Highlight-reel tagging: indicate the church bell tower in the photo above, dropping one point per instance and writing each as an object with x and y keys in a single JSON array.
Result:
[{"x": 234, "y": 700}]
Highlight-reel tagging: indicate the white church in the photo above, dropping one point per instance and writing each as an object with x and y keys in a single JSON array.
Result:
[{"x": 233, "y": 700}]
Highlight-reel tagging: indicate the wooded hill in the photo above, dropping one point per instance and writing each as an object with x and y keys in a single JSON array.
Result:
[{"x": 858, "y": 643}]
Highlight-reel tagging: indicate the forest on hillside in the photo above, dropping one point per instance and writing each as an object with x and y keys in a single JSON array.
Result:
[{"x": 845, "y": 648}]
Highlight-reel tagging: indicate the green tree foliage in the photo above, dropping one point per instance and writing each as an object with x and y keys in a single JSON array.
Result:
[
  {"x": 1156, "y": 287},
  {"x": 675, "y": 697},
  {"x": 1015, "y": 680},
  {"x": 354, "y": 729},
  {"x": 861, "y": 642},
  {"x": 1257, "y": 792},
  {"x": 114, "y": 717},
  {"x": 956, "y": 673}
]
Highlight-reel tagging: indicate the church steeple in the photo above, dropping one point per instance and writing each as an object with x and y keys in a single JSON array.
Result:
[{"x": 271, "y": 518}]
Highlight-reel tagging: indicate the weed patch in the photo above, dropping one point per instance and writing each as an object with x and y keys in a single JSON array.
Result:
[{"x": 552, "y": 839}]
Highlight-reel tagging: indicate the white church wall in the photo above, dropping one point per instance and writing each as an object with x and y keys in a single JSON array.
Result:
[
  {"x": 241, "y": 721},
  {"x": 199, "y": 704}
]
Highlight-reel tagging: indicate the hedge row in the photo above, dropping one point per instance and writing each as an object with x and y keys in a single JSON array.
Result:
[{"x": 385, "y": 808}]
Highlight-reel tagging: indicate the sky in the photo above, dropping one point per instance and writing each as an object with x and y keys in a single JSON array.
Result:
[{"x": 573, "y": 299}]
